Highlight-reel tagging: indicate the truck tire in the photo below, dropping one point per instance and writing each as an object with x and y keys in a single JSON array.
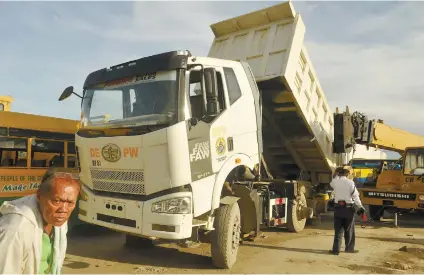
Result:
[
  {"x": 376, "y": 212},
  {"x": 138, "y": 242},
  {"x": 294, "y": 223},
  {"x": 225, "y": 239}
]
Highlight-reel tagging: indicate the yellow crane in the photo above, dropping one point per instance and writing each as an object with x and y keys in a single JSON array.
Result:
[{"x": 401, "y": 189}]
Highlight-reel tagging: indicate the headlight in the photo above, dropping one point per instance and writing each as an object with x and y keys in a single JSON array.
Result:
[
  {"x": 173, "y": 206},
  {"x": 421, "y": 197}
]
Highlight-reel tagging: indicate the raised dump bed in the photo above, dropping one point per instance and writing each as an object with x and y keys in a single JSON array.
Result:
[{"x": 298, "y": 123}]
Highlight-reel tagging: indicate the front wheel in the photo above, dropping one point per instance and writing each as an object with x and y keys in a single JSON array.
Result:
[{"x": 225, "y": 238}]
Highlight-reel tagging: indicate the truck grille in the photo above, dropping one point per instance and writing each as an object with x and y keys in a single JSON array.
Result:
[{"x": 129, "y": 182}]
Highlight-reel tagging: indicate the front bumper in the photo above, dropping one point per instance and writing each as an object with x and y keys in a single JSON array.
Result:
[{"x": 135, "y": 217}]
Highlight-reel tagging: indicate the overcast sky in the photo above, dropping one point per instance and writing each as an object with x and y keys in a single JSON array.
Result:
[{"x": 367, "y": 55}]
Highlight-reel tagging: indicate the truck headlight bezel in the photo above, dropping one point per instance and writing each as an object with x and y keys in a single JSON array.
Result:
[
  {"x": 421, "y": 197},
  {"x": 83, "y": 194},
  {"x": 180, "y": 205}
]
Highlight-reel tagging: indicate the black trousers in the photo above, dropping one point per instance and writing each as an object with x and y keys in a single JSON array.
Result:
[{"x": 344, "y": 222}]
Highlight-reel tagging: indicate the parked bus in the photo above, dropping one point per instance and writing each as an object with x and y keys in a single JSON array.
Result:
[{"x": 29, "y": 146}]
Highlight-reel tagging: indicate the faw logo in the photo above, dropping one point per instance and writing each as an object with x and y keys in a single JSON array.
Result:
[{"x": 200, "y": 151}]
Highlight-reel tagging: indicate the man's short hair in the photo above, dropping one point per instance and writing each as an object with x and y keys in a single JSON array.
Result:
[
  {"x": 345, "y": 170},
  {"x": 48, "y": 179},
  {"x": 338, "y": 170}
]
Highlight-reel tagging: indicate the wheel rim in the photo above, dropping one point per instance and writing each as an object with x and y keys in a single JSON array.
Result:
[
  {"x": 299, "y": 209},
  {"x": 236, "y": 234}
]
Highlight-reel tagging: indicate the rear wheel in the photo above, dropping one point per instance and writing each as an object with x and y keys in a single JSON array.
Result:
[
  {"x": 225, "y": 238},
  {"x": 296, "y": 219}
]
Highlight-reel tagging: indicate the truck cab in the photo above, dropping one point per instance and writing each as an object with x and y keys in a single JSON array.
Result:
[
  {"x": 158, "y": 139},
  {"x": 144, "y": 136}
]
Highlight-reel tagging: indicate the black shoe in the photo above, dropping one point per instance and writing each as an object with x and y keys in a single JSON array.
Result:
[
  {"x": 333, "y": 252},
  {"x": 352, "y": 251}
]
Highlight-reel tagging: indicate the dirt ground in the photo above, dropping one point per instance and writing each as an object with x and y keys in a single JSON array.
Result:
[{"x": 381, "y": 245}]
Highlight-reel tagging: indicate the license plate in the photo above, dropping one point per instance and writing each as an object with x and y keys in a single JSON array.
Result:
[{"x": 390, "y": 195}]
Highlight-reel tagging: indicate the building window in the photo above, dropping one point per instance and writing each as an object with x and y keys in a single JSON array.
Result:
[{"x": 1, "y": 107}]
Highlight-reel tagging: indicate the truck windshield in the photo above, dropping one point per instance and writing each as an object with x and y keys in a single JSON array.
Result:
[
  {"x": 149, "y": 99},
  {"x": 414, "y": 161}
]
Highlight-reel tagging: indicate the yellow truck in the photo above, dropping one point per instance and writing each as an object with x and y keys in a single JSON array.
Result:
[
  {"x": 29, "y": 145},
  {"x": 396, "y": 189}
]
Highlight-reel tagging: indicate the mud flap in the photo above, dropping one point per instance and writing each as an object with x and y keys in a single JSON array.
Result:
[
  {"x": 250, "y": 210},
  {"x": 312, "y": 205}
]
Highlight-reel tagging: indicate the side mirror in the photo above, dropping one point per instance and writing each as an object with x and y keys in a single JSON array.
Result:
[
  {"x": 211, "y": 86},
  {"x": 67, "y": 93}
]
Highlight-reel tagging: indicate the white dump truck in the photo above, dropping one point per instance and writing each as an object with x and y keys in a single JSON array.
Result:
[{"x": 175, "y": 145}]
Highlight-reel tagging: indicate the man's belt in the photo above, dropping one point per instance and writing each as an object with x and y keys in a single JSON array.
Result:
[{"x": 344, "y": 204}]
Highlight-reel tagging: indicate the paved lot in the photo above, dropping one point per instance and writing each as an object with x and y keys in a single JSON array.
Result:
[{"x": 277, "y": 251}]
